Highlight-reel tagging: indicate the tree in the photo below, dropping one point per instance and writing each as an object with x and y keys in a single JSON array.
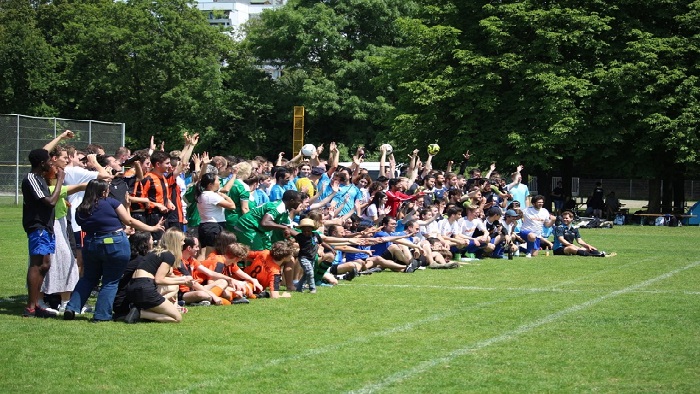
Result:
[{"x": 26, "y": 62}]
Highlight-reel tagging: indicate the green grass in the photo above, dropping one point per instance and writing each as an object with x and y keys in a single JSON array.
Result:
[{"x": 630, "y": 323}]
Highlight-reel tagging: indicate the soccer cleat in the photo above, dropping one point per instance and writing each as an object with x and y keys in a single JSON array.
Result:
[
  {"x": 69, "y": 315},
  {"x": 240, "y": 300},
  {"x": 202, "y": 303},
  {"x": 133, "y": 316},
  {"x": 263, "y": 294},
  {"x": 452, "y": 264},
  {"x": 528, "y": 255}
]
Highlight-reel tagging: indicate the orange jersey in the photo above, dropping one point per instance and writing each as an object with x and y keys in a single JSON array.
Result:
[
  {"x": 264, "y": 269},
  {"x": 217, "y": 263},
  {"x": 190, "y": 268}
]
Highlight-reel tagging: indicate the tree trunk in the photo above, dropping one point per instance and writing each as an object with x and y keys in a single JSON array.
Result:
[{"x": 654, "y": 196}]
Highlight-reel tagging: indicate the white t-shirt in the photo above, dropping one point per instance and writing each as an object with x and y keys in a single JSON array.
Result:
[
  {"x": 432, "y": 230},
  {"x": 448, "y": 229},
  {"x": 533, "y": 220},
  {"x": 209, "y": 212},
  {"x": 76, "y": 176},
  {"x": 469, "y": 226}
]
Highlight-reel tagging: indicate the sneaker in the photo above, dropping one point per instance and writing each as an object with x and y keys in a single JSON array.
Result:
[
  {"x": 375, "y": 270},
  {"x": 44, "y": 313},
  {"x": 452, "y": 264},
  {"x": 529, "y": 256},
  {"x": 312, "y": 291},
  {"x": 412, "y": 266},
  {"x": 28, "y": 312},
  {"x": 202, "y": 303},
  {"x": 240, "y": 300},
  {"x": 351, "y": 275},
  {"x": 133, "y": 316},
  {"x": 86, "y": 309},
  {"x": 62, "y": 308},
  {"x": 264, "y": 294},
  {"x": 47, "y": 308},
  {"x": 69, "y": 315}
]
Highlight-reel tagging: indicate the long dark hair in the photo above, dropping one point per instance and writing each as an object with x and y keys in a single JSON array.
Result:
[
  {"x": 94, "y": 192},
  {"x": 140, "y": 243},
  {"x": 203, "y": 184}
]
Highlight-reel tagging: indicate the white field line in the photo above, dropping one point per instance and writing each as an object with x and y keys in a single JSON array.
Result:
[
  {"x": 427, "y": 365},
  {"x": 524, "y": 289},
  {"x": 332, "y": 347},
  {"x": 340, "y": 345}
]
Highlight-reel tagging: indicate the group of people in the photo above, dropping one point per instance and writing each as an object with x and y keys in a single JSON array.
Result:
[{"x": 178, "y": 229}]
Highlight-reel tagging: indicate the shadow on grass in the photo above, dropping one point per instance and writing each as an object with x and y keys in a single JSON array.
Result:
[{"x": 13, "y": 305}]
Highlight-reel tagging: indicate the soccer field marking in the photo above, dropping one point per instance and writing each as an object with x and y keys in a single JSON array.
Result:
[
  {"x": 605, "y": 271},
  {"x": 553, "y": 289},
  {"x": 508, "y": 335},
  {"x": 334, "y": 346}
]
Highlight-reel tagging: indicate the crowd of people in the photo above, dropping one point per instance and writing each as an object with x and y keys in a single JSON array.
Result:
[{"x": 152, "y": 232}]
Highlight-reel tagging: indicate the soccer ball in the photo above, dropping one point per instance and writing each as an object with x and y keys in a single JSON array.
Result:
[
  {"x": 433, "y": 149},
  {"x": 389, "y": 149},
  {"x": 308, "y": 149}
]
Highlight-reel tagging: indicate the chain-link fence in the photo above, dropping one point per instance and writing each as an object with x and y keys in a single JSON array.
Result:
[{"x": 19, "y": 134}]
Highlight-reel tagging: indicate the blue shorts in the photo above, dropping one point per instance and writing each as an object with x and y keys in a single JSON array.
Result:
[
  {"x": 41, "y": 243},
  {"x": 536, "y": 243},
  {"x": 471, "y": 248}
]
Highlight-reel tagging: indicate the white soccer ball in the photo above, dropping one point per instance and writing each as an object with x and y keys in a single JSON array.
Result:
[
  {"x": 433, "y": 149},
  {"x": 389, "y": 149},
  {"x": 308, "y": 149}
]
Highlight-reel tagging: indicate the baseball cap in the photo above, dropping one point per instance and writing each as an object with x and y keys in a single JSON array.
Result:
[
  {"x": 318, "y": 171},
  {"x": 512, "y": 213}
]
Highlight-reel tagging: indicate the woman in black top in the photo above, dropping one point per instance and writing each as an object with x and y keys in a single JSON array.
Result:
[{"x": 153, "y": 271}]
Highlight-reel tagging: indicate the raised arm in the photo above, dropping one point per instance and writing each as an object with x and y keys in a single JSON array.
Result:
[{"x": 65, "y": 135}]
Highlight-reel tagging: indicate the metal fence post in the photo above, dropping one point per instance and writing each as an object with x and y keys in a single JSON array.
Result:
[{"x": 17, "y": 166}]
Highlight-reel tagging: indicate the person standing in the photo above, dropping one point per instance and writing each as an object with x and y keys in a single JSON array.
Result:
[
  {"x": 106, "y": 252},
  {"x": 38, "y": 214}
]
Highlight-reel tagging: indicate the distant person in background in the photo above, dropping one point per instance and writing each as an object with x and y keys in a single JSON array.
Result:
[
  {"x": 612, "y": 205},
  {"x": 596, "y": 204},
  {"x": 558, "y": 198}
]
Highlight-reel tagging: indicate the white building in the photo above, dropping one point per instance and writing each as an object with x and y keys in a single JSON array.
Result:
[{"x": 235, "y": 13}]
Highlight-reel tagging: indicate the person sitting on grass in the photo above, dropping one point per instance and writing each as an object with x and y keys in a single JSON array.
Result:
[
  {"x": 565, "y": 235},
  {"x": 535, "y": 218},
  {"x": 156, "y": 270},
  {"x": 207, "y": 284},
  {"x": 265, "y": 267},
  {"x": 216, "y": 262}
]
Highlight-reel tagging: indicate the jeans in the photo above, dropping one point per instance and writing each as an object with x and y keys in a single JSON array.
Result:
[
  {"x": 104, "y": 257},
  {"x": 308, "y": 277}
]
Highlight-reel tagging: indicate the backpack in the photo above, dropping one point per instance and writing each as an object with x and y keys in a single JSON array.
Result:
[{"x": 619, "y": 219}]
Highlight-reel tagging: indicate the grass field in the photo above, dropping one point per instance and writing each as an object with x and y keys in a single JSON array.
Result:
[{"x": 629, "y": 323}]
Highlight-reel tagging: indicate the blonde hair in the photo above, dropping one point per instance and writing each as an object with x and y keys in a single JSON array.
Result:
[
  {"x": 171, "y": 241},
  {"x": 244, "y": 170}
]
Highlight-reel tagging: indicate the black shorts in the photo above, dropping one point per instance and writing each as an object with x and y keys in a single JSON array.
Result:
[
  {"x": 207, "y": 233},
  {"x": 559, "y": 252},
  {"x": 387, "y": 255},
  {"x": 143, "y": 293}
]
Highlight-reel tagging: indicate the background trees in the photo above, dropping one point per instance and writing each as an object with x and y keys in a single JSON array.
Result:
[{"x": 604, "y": 89}]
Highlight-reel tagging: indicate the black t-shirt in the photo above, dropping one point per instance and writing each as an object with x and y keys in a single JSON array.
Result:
[
  {"x": 308, "y": 246},
  {"x": 118, "y": 189},
  {"x": 152, "y": 261},
  {"x": 36, "y": 215}
]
